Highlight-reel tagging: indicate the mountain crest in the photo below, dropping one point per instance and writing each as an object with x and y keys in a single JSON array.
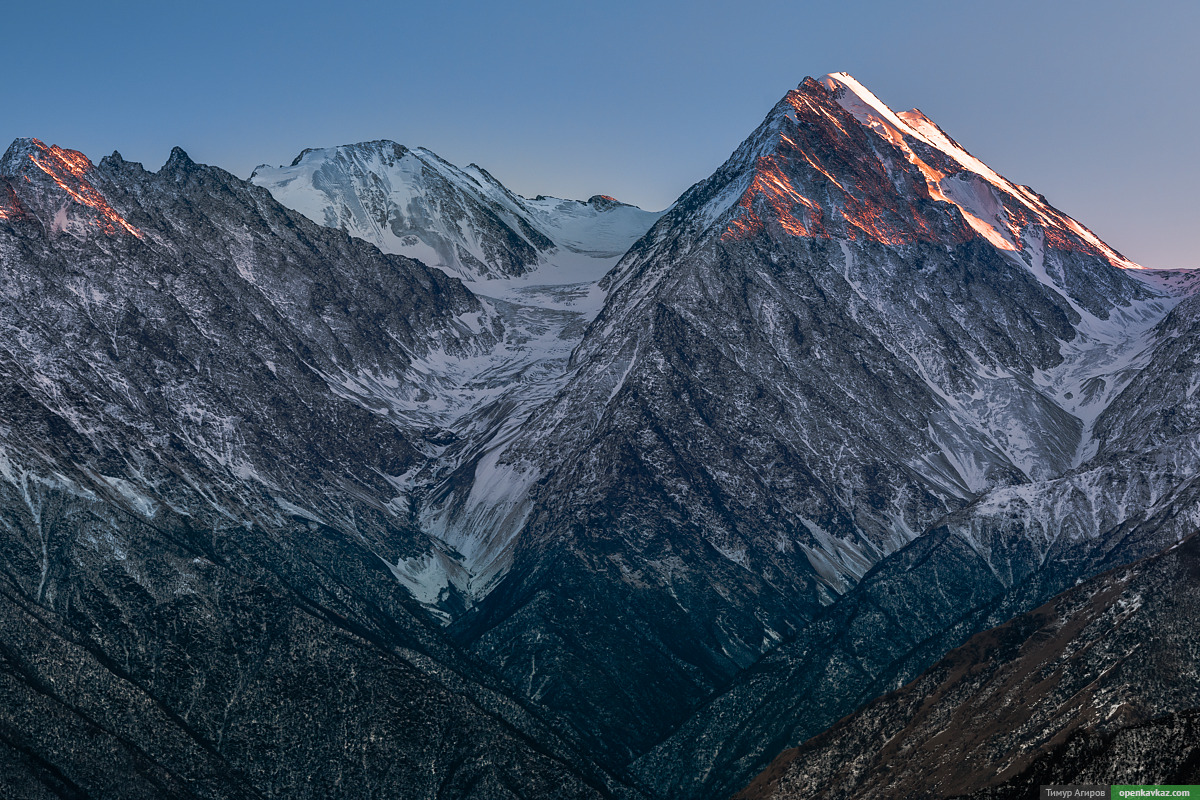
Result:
[
  {"x": 833, "y": 160},
  {"x": 179, "y": 159},
  {"x": 68, "y": 170},
  {"x": 413, "y": 202},
  {"x": 603, "y": 202},
  {"x": 997, "y": 209},
  {"x": 821, "y": 175}
]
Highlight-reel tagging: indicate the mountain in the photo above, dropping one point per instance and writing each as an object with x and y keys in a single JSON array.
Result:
[
  {"x": 1006, "y": 553},
  {"x": 631, "y": 505},
  {"x": 850, "y": 330},
  {"x": 1096, "y": 687},
  {"x": 198, "y": 518},
  {"x": 464, "y": 221},
  {"x": 535, "y": 264}
]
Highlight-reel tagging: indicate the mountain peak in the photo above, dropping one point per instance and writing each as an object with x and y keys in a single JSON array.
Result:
[
  {"x": 859, "y": 100},
  {"x": 461, "y": 219},
  {"x": 14, "y": 156},
  {"x": 381, "y": 146},
  {"x": 25, "y": 150},
  {"x": 603, "y": 202},
  {"x": 179, "y": 159},
  {"x": 65, "y": 171},
  {"x": 812, "y": 170},
  {"x": 822, "y": 178},
  {"x": 298, "y": 158}
]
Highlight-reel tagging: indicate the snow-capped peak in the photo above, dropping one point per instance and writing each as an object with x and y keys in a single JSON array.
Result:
[
  {"x": 874, "y": 113},
  {"x": 412, "y": 202},
  {"x": 978, "y": 208},
  {"x": 865, "y": 106}
]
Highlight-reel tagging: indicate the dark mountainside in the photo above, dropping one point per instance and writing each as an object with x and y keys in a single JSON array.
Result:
[
  {"x": 195, "y": 522},
  {"x": 1099, "y": 686},
  {"x": 284, "y": 516},
  {"x": 1007, "y": 553}
]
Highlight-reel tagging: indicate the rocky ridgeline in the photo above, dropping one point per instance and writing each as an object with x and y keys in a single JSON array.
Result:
[{"x": 638, "y": 503}]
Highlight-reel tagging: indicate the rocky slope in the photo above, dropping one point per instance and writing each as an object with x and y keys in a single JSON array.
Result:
[
  {"x": 1006, "y": 553},
  {"x": 197, "y": 517},
  {"x": 1098, "y": 686},
  {"x": 815, "y": 355},
  {"x": 851, "y": 400},
  {"x": 535, "y": 263}
]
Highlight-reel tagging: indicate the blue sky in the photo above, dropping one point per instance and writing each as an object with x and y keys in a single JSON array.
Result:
[{"x": 1094, "y": 104}]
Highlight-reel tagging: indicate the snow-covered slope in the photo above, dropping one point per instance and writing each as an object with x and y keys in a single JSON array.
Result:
[
  {"x": 536, "y": 264},
  {"x": 464, "y": 221}
]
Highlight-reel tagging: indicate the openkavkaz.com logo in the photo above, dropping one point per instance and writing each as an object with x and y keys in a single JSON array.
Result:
[{"x": 1110, "y": 792}]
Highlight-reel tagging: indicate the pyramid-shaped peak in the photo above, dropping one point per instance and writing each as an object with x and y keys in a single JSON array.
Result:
[
  {"x": 832, "y": 160},
  {"x": 178, "y": 159},
  {"x": 17, "y": 154},
  {"x": 999, "y": 213}
]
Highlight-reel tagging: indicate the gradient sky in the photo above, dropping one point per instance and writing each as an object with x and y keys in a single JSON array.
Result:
[{"x": 1095, "y": 104}]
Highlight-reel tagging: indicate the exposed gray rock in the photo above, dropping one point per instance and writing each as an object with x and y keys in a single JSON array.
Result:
[
  {"x": 853, "y": 399},
  {"x": 196, "y": 520}
]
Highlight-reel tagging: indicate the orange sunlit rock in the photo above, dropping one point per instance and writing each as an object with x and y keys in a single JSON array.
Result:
[
  {"x": 827, "y": 175},
  {"x": 68, "y": 168},
  {"x": 771, "y": 191},
  {"x": 9, "y": 206}
]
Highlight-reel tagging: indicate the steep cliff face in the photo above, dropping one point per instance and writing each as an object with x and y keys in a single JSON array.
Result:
[{"x": 197, "y": 515}]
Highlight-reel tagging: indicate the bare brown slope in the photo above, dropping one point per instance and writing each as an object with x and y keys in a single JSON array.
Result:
[{"x": 1096, "y": 662}]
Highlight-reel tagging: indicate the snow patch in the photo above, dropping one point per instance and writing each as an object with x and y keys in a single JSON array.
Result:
[{"x": 137, "y": 501}]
